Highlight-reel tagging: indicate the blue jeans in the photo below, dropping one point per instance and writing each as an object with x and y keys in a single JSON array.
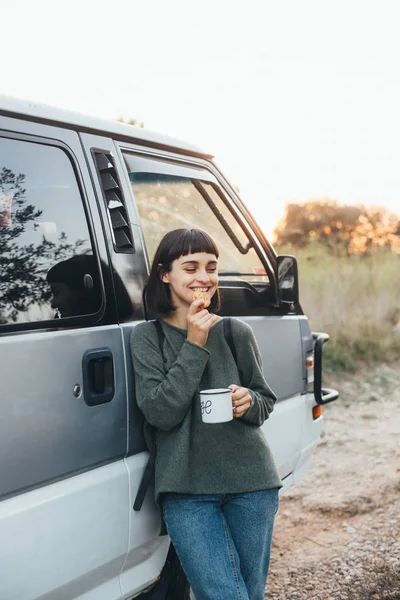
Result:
[{"x": 223, "y": 541}]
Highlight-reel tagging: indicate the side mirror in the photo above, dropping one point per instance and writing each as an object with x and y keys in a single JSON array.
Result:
[{"x": 288, "y": 279}]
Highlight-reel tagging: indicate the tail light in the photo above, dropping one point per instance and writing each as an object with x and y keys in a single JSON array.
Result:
[{"x": 317, "y": 411}]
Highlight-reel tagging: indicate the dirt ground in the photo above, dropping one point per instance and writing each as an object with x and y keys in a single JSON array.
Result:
[{"x": 336, "y": 526}]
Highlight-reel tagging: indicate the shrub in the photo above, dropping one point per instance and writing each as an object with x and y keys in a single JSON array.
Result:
[{"x": 353, "y": 298}]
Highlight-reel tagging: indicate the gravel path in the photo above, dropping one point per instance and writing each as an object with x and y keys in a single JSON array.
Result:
[{"x": 338, "y": 531}]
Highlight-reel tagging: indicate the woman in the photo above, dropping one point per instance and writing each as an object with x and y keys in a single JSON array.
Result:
[{"x": 217, "y": 484}]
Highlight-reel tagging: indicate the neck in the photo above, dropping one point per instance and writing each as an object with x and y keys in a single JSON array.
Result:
[{"x": 177, "y": 318}]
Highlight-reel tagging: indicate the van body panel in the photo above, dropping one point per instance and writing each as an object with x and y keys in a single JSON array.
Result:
[
  {"x": 66, "y": 540},
  {"x": 281, "y": 349},
  {"x": 280, "y": 345},
  {"x": 138, "y": 575},
  {"x": 147, "y": 549},
  {"x": 311, "y": 430},
  {"x": 287, "y": 483},
  {"x": 54, "y": 434},
  {"x": 283, "y": 431}
]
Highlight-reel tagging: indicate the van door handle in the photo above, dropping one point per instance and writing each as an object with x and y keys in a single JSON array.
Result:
[{"x": 98, "y": 376}]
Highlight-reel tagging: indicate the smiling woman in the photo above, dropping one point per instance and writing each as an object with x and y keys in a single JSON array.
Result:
[
  {"x": 191, "y": 278},
  {"x": 207, "y": 492},
  {"x": 175, "y": 275}
]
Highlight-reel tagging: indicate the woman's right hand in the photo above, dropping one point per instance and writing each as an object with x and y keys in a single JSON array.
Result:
[{"x": 199, "y": 322}]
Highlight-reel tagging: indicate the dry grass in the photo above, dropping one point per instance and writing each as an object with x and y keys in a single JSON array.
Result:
[{"x": 356, "y": 299}]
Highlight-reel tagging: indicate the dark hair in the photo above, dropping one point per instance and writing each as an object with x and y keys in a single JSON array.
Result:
[{"x": 176, "y": 243}]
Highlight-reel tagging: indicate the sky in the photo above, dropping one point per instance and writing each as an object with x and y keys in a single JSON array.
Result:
[{"x": 297, "y": 99}]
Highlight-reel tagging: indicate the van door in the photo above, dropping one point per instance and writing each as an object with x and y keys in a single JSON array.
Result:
[
  {"x": 63, "y": 427},
  {"x": 172, "y": 192}
]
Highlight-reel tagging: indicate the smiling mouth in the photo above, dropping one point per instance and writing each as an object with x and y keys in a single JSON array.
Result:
[{"x": 199, "y": 289}]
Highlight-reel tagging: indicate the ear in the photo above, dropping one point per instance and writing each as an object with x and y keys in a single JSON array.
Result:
[{"x": 163, "y": 275}]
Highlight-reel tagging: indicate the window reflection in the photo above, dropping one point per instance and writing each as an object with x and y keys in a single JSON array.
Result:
[
  {"x": 43, "y": 235},
  {"x": 75, "y": 287}
]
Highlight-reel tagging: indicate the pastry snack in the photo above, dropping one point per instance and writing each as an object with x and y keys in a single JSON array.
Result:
[{"x": 197, "y": 295}]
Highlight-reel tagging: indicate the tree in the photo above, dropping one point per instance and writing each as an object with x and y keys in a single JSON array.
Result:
[
  {"x": 356, "y": 229},
  {"x": 23, "y": 267}
]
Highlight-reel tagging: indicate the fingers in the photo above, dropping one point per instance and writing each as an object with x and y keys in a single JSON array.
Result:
[
  {"x": 199, "y": 324},
  {"x": 200, "y": 316},
  {"x": 238, "y": 411},
  {"x": 241, "y": 400},
  {"x": 239, "y": 392},
  {"x": 203, "y": 319},
  {"x": 205, "y": 322},
  {"x": 215, "y": 319},
  {"x": 195, "y": 307}
]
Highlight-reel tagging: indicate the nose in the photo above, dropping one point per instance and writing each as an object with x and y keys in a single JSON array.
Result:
[{"x": 203, "y": 276}]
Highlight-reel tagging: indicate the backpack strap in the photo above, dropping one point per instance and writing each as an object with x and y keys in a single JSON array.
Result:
[
  {"x": 151, "y": 463},
  {"x": 227, "y": 322},
  {"x": 146, "y": 479}
]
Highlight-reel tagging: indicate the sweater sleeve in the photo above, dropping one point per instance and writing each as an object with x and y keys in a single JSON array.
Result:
[
  {"x": 252, "y": 375},
  {"x": 165, "y": 398}
]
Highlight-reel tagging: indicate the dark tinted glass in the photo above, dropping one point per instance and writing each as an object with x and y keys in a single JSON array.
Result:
[{"x": 47, "y": 267}]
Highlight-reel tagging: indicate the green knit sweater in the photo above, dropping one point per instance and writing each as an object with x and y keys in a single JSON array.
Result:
[{"x": 195, "y": 457}]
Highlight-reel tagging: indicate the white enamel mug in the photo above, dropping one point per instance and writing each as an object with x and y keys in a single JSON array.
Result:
[{"x": 216, "y": 405}]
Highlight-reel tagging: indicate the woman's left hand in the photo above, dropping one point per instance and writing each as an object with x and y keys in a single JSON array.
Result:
[{"x": 241, "y": 400}]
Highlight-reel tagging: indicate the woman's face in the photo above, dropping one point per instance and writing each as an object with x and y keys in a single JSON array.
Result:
[{"x": 197, "y": 271}]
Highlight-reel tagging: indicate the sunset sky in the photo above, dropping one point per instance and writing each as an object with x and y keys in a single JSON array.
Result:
[{"x": 297, "y": 99}]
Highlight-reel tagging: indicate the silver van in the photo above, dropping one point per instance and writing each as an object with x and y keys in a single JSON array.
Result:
[{"x": 83, "y": 205}]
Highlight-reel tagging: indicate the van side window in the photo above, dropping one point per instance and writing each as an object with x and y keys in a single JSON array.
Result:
[
  {"x": 47, "y": 266},
  {"x": 167, "y": 202}
]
